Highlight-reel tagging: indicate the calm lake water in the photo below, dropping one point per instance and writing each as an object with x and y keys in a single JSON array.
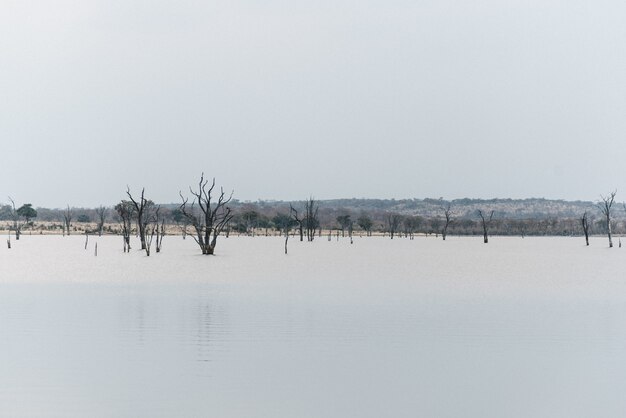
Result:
[{"x": 532, "y": 327}]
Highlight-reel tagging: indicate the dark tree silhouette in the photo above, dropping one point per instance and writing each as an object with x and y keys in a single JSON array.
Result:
[
  {"x": 207, "y": 216},
  {"x": 447, "y": 213},
  {"x": 485, "y": 221},
  {"x": 585, "y": 223},
  {"x": 141, "y": 212},
  {"x": 310, "y": 218},
  {"x": 298, "y": 220}
]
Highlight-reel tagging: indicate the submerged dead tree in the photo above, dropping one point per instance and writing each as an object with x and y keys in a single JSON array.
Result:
[
  {"x": 605, "y": 207},
  {"x": 585, "y": 223},
  {"x": 208, "y": 216},
  {"x": 447, "y": 213},
  {"x": 141, "y": 207},
  {"x": 15, "y": 217},
  {"x": 283, "y": 224},
  {"x": 152, "y": 222},
  {"x": 485, "y": 221},
  {"x": 311, "y": 221},
  {"x": 298, "y": 220}
]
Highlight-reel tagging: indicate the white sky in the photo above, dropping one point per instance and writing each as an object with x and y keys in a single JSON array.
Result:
[{"x": 332, "y": 98}]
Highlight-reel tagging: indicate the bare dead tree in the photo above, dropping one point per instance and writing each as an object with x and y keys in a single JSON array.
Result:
[
  {"x": 101, "y": 212},
  {"x": 125, "y": 211},
  {"x": 15, "y": 217},
  {"x": 151, "y": 223},
  {"x": 207, "y": 216},
  {"x": 312, "y": 223},
  {"x": 447, "y": 213},
  {"x": 585, "y": 223},
  {"x": 67, "y": 219},
  {"x": 485, "y": 224},
  {"x": 605, "y": 206},
  {"x": 140, "y": 209},
  {"x": 160, "y": 231},
  {"x": 299, "y": 221}
]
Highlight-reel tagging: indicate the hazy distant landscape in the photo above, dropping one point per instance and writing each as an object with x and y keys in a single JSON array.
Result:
[{"x": 511, "y": 216}]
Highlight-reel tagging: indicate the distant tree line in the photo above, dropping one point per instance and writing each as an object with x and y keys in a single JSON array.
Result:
[{"x": 209, "y": 212}]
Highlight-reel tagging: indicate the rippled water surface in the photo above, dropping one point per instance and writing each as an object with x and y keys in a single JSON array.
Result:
[{"x": 532, "y": 327}]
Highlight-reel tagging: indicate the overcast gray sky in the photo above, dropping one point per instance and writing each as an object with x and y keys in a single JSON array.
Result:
[{"x": 331, "y": 98}]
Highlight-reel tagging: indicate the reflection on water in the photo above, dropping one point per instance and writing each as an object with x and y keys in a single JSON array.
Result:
[{"x": 347, "y": 339}]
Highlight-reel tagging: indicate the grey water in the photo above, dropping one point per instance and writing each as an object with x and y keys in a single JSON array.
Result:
[{"x": 532, "y": 327}]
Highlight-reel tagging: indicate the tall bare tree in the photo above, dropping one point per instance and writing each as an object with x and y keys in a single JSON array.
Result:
[
  {"x": 447, "y": 213},
  {"x": 585, "y": 223},
  {"x": 15, "y": 217},
  {"x": 605, "y": 206},
  {"x": 311, "y": 221},
  {"x": 299, "y": 221},
  {"x": 208, "y": 216},
  {"x": 485, "y": 221},
  {"x": 142, "y": 207},
  {"x": 151, "y": 221}
]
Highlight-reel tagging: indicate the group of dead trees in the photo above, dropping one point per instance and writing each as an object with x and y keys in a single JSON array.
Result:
[
  {"x": 150, "y": 224},
  {"x": 605, "y": 205},
  {"x": 306, "y": 220}
]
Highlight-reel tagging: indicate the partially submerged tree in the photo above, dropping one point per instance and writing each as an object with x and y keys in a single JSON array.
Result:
[
  {"x": 207, "y": 215},
  {"x": 298, "y": 220},
  {"x": 283, "y": 223},
  {"x": 485, "y": 221},
  {"x": 585, "y": 223},
  {"x": 447, "y": 213},
  {"x": 142, "y": 206},
  {"x": 15, "y": 217},
  {"x": 605, "y": 206},
  {"x": 310, "y": 218},
  {"x": 125, "y": 211},
  {"x": 152, "y": 224}
]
